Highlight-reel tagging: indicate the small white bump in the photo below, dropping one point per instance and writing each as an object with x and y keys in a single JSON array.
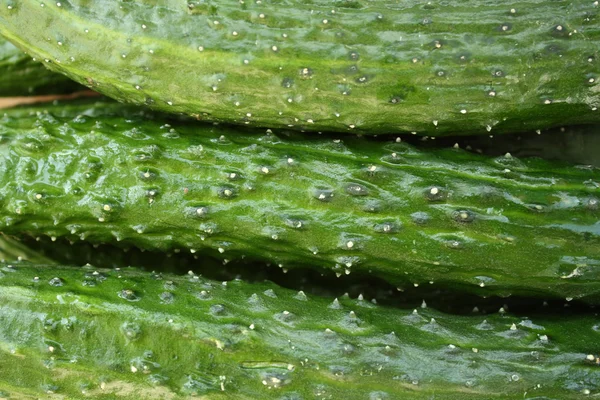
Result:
[
  {"x": 274, "y": 48},
  {"x": 144, "y": 26},
  {"x": 350, "y": 244},
  {"x": 200, "y": 48},
  {"x": 221, "y": 250},
  {"x": 435, "y": 123},
  {"x": 106, "y": 207}
]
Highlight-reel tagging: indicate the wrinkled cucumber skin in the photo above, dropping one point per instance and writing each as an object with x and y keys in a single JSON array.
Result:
[
  {"x": 105, "y": 334},
  {"x": 104, "y": 173},
  {"x": 371, "y": 67}
]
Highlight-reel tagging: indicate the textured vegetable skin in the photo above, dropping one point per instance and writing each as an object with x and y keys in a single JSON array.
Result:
[
  {"x": 468, "y": 67},
  {"x": 83, "y": 332},
  {"x": 104, "y": 173},
  {"x": 20, "y": 75}
]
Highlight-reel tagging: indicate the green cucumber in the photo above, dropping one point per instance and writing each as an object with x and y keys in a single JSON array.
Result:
[
  {"x": 104, "y": 173},
  {"x": 71, "y": 332},
  {"x": 20, "y": 75},
  {"x": 380, "y": 66}
]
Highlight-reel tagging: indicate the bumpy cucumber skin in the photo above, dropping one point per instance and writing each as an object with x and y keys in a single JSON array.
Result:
[
  {"x": 467, "y": 67},
  {"x": 82, "y": 332},
  {"x": 487, "y": 225},
  {"x": 20, "y": 75}
]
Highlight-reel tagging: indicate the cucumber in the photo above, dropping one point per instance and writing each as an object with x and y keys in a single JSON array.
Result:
[
  {"x": 71, "y": 332},
  {"x": 105, "y": 173},
  {"x": 20, "y": 75},
  {"x": 381, "y": 66}
]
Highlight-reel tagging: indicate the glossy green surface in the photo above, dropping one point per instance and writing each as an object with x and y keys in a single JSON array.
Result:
[
  {"x": 71, "y": 332},
  {"x": 102, "y": 173},
  {"x": 20, "y": 75},
  {"x": 380, "y": 66}
]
